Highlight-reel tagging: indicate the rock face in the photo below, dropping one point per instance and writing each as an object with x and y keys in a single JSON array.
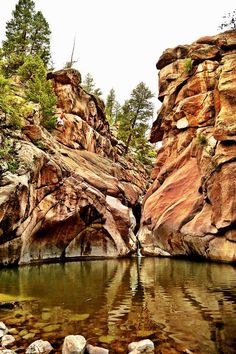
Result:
[
  {"x": 190, "y": 209},
  {"x": 72, "y": 192}
]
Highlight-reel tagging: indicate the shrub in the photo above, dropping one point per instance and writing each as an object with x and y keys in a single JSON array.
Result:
[
  {"x": 202, "y": 139},
  {"x": 188, "y": 65},
  {"x": 38, "y": 89}
]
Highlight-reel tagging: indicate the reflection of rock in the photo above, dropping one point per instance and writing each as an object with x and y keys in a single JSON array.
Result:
[
  {"x": 64, "y": 200},
  {"x": 191, "y": 207}
]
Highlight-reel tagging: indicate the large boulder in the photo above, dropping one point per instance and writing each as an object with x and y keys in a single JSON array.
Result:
[{"x": 190, "y": 210}]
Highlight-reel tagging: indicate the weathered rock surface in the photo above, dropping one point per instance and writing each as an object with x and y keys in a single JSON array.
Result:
[
  {"x": 190, "y": 210},
  {"x": 72, "y": 192},
  {"x": 39, "y": 347},
  {"x": 74, "y": 345}
]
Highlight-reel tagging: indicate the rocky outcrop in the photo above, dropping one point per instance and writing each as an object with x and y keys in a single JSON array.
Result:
[
  {"x": 190, "y": 209},
  {"x": 69, "y": 193}
]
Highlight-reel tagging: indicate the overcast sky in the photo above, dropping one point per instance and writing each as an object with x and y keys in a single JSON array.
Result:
[{"x": 119, "y": 41}]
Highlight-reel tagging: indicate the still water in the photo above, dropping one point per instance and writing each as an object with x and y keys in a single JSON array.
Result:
[{"x": 178, "y": 304}]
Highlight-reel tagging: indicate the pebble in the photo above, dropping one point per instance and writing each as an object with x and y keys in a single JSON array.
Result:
[
  {"x": 96, "y": 350},
  {"x": 7, "y": 339},
  {"x": 3, "y": 329}
]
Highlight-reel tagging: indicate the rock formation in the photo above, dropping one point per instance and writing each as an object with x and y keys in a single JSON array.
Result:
[
  {"x": 190, "y": 209},
  {"x": 71, "y": 192}
]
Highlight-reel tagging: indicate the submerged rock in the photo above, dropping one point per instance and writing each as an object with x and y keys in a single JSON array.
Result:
[
  {"x": 96, "y": 350},
  {"x": 143, "y": 346},
  {"x": 74, "y": 344}
]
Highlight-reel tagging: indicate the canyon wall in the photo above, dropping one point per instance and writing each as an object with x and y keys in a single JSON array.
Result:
[
  {"x": 71, "y": 192},
  {"x": 190, "y": 209}
]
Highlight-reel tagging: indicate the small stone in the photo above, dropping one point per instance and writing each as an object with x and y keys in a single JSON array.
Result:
[
  {"x": 13, "y": 331},
  {"x": 96, "y": 350},
  {"x": 29, "y": 336},
  {"x": 51, "y": 328},
  {"x": 39, "y": 347},
  {"x": 74, "y": 344},
  {"x": 7, "y": 339},
  {"x": 143, "y": 346},
  {"x": 3, "y": 329},
  {"x": 6, "y": 351},
  {"x": 23, "y": 333}
]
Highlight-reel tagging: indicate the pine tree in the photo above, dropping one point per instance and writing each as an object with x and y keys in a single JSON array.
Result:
[
  {"x": 133, "y": 121},
  {"x": 111, "y": 106},
  {"x": 26, "y": 33},
  {"x": 40, "y": 38},
  {"x": 229, "y": 21},
  {"x": 90, "y": 87}
]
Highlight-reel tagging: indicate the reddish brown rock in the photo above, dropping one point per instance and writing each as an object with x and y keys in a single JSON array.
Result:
[
  {"x": 72, "y": 192},
  {"x": 190, "y": 210}
]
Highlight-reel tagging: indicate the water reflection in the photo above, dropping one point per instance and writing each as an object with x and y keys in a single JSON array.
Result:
[{"x": 185, "y": 304}]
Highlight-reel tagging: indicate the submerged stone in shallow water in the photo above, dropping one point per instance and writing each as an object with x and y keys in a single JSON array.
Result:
[
  {"x": 96, "y": 350},
  {"x": 51, "y": 328},
  {"x": 143, "y": 346},
  {"x": 107, "y": 339},
  {"x": 79, "y": 317}
]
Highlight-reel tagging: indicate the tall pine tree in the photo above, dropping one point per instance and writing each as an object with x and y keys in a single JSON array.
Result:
[
  {"x": 111, "y": 106},
  {"x": 26, "y": 33},
  {"x": 136, "y": 112}
]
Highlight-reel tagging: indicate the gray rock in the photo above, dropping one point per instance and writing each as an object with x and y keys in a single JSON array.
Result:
[
  {"x": 143, "y": 346},
  {"x": 7, "y": 351},
  {"x": 3, "y": 329},
  {"x": 39, "y": 347},
  {"x": 74, "y": 345},
  {"x": 96, "y": 350},
  {"x": 7, "y": 339}
]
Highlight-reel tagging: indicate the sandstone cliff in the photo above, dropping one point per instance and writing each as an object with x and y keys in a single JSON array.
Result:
[
  {"x": 190, "y": 210},
  {"x": 69, "y": 193}
]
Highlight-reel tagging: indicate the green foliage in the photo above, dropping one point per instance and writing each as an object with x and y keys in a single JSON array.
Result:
[
  {"x": 38, "y": 89},
  {"x": 112, "y": 107},
  {"x": 26, "y": 33},
  {"x": 13, "y": 106},
  {"x": 133, "y": 121},
  {"x": 89, "y": 86},
  {"x": 202, "y": 140},
  {"x": 7, "y": 158},
  {"x": 39, "y": 144},
  {"x": 188, "y": 65},
  {"x": 229, "y": 21}
]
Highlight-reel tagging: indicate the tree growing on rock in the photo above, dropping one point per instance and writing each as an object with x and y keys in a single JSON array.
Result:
[
  {"x": 26, "y": 33},
  {"x": 38, "y": 89},
  {"x": 229, "y": 21},
  {"x": 133, "y": 121}
]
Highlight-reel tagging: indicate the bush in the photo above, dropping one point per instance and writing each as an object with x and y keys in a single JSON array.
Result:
[
  {"x": 33, "y": 72},
  {"x": 188, "y": 65},
  {"x": 202, "y": 139},
  {"x": 12, "y": 105}
]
